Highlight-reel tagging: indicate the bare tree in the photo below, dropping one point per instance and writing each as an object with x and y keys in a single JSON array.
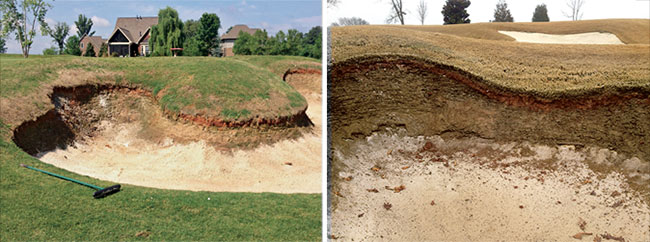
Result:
[
  {"x": 422, "y": 11},
  {"x": 332, "y": 3},
  {"x": 575, "y": 6},
  {"x": 397, "y": 12}
]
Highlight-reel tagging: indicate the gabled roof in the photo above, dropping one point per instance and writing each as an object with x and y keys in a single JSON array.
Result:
[
  {"x": 134, "y": 28},
  {"x": 95, "y": 40},
  {"x": 234, "y": 32}
]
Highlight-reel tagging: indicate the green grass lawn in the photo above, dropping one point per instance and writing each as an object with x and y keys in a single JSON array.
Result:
[
  {"x": 231, "y": 89},
  {"x": 35, "y": 206}
]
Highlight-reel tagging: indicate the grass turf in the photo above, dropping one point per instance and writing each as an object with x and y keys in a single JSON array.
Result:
[
  {"x": 231, "y": 89},
  {"x": 541, "y": 69},
  {"x": 35, "y": 206}
]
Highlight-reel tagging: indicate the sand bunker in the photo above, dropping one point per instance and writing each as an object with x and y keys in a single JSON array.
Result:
[
  {"x": 133, "y": 143},
  {"x": 583, "y": 38},
  {"x": 397, "y": 187},
  {"x": 423, "y": 151}
]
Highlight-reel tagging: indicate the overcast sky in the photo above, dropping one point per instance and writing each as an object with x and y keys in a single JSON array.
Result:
[
  {"x": 272, "y": 15},
  {"x": 376, "y": 11}
]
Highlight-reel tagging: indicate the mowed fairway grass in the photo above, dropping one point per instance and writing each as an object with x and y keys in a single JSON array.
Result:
[{"x": 35, "y": 206}]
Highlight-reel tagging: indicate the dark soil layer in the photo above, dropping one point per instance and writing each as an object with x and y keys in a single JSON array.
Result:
[
  {"x": 433, "y": 99},
  {"x": 78, "y": 112}
]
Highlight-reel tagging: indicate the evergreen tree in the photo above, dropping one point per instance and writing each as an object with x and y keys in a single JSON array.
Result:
[
  {"x": 502, "y": 13},
  {"x": 208, "y": 33},
  {"x": 72, "y": 46},
  {"x": 455, "y": 12},
  {"x": 103, "y": 50},
  {"x": 90, "y": 51},
  {"x": 540, "y": 14}
]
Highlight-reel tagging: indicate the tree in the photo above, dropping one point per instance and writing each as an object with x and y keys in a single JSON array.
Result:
[
  {"x": 59, "y": 33},
  {"x": 83, "y": 26},
  {"x": 540, "y": 14},
  {"x": 294, "y": 42},
  {"x": 24, "y": 22},
  {"x": 397, "y": 12},
  {"x": 72, "y": 46},
  {"x": 422, "y": 11},
  {"x": 190, "y": 28},
  {"x": 191, "y": 47},
  {"x": 103, "y": 50},
  {"x": 502, "y": 13},
  {"x": 242, "y": 44},
  {"x": 455, "y": 12},
  {"x": 50, "y": 51},
  {"x": 350, "y": 21},
  {"x": 312, "y": 43},
  {"x": 168, "y": 33},
  {"x": 90, "y": 51},
  {"x": 208, "y": 33},
  {"x": 332, "y": 3},
  {"x": 575, "y": 6},
  {"x": 3, "y": 48}
]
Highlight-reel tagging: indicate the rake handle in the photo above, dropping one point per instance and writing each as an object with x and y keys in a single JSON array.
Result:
[{"x": 63, "y": 177}]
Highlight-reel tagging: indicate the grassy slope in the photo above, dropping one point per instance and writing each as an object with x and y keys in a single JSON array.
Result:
[
  {"x": 231, "y": 89},
  {"x": 35, "y": 206},
  {"x": 630, "y": 31},
  {"x": 547, "y": 70}
]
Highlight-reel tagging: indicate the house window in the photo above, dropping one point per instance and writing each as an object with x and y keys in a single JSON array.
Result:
[{"x": 82, "y": 45}]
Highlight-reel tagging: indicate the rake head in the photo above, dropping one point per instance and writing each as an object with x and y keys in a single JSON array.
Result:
[{"x": 107, "y": 191}]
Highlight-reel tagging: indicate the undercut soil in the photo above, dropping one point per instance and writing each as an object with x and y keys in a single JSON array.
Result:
[
  {"x": 121, "y": 134},
  {"x": 424, "y": 151}
]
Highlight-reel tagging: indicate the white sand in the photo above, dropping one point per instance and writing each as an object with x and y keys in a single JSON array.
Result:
[
  {"x": 477, "y": 197},
  {"x": 584, "y": 38}
]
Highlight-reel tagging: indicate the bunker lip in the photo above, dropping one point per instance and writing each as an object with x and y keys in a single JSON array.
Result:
[
  {"x": 292, "y": 71},
  {"x": 50, "y": 131},
  {"x": 607, "y": 95}
]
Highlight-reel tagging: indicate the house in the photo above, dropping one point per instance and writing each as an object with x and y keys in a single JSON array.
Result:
[
  {"x": 228, "y": 39},
  {"x": 131, "y": 36},
  {"x": 96, "y": 41}
]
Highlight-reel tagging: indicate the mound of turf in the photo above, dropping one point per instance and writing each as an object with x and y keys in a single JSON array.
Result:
[
  {"x": 228, "y": 89},
  {"x": 543, "y": 70}
]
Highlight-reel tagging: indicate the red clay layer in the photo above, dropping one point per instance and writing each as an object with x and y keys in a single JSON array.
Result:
[
  {"x": 300, "y": 71},
  {"x": 80, "y": 94},
  {"x": 531, "y": 101}
]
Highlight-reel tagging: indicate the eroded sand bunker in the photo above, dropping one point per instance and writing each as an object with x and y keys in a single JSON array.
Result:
[
  {"x": 123, "y": 136},
  {"x": 422, "y": 151}
]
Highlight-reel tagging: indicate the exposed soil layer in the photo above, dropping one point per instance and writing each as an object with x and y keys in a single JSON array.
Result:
[
  {"x": 294, "y": 71},
  {"x": 122, "y": 135},
  {"x": 433, "y": 99},
  {"x": 75, "y": 118},
  {"x": 382, "y": 110}
]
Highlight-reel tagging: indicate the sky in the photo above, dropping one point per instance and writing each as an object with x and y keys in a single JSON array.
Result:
[
  {"x": 272, "y": 15},
  {"x": 376, "y": 11}
]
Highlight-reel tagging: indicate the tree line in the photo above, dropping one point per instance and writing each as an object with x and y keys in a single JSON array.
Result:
[
  {"x": 292, "y": 43},
  {"x": 455, "y": 12}
]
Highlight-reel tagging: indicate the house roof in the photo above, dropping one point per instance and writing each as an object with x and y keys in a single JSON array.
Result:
[
  {"x": 134, "y": 28},
  {"x": 95, "y": 40},
  {"x": 234, "y": 32}
]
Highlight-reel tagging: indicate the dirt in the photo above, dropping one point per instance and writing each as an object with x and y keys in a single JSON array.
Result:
[
  {"x": 478, "y": 162},
  {"x": 582, "y": 38},
  {"x": 122, "y": 135}
]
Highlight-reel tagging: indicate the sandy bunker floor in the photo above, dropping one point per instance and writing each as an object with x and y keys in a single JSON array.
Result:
[
  {"x": 583, "y": 38},
  {"x": 396, "y": 187},
  {"x": 119, "y": 154}
]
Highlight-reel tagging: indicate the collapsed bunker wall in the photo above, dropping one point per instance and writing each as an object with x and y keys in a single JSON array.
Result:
[
  {"x": 367, "y": 94},
  {"x": 73, "y": 118}
]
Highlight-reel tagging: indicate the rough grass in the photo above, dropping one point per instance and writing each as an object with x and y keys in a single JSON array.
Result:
[
  {"x": 541, "y": 69},
  {"x": 229, "y": 89},
  {"x": 630, "y": 31},
  {"x": 37, "y": 207}
]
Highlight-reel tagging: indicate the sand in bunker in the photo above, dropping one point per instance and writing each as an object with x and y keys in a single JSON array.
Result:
[
  {"x": 583, "y": 38},
  {"x": 118, "y": 154},
  {"x": 394, "y": 187}
]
